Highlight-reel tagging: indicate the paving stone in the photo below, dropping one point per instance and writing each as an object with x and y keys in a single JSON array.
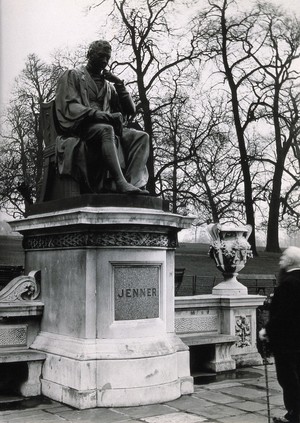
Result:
[
  {"x": 276, "y": 400},
  {"x": 240, "y": 400},
  {"x": 218, "y": 411},
  {"x": 57, "y": 408},
  {"x": 274, "y": 411},
  {"x": 248, "y": 406},
  {"x": 53, "y": 419},
  {"x": 223, "y": 385},
  {"x": 262, "y": 384},
  {"x": 125, "y": 421},
  {"x": 189, "y": 403},
  {"x": 216, "y": 397},
  {"x": 45, "y": 404},
  {"x": 174, "y": 418},
  {"x": 254, "y": 369},
  {"x": 255, "y": 382},
  {"x": 25, "y": 413},
  {"x": 36, "y": 418},
  {"x": 246, "y": 418},
  {"x": 96, "y": 415},
  {"x": 6, "y": 412},
  {"x": 275, "y": 385},
  {"x": 244, "y": 392},
  {"x": 145, "y": 410}
]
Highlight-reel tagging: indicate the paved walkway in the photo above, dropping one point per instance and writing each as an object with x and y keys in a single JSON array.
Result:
[{"x": 237, "y": 397}]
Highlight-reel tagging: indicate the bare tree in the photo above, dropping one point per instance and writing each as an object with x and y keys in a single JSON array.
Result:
[
  {"x": 21, "y": 141},
  {"x": 16, "y": 171},
  {"x": 278, "y": 94},
  {"x": 154, "y": 53},
  {"x": 248, "y": 50},
  {"x": 197, "y": 169}
]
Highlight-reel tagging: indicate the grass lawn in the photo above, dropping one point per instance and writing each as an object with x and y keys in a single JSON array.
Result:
[{"x": 195, "y": 260}]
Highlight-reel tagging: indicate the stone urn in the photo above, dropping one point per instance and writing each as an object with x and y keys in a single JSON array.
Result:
[{"x": 230, "y": 250}]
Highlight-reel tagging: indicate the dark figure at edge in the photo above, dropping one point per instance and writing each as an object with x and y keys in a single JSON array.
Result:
[{"x": 283, "y": 333}]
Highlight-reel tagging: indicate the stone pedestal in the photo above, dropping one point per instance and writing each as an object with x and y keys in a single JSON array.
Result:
[
  {"x": 108, "y": 291},
  {"x": 238, "y": 317},
  {"x": 227, "y": 323}
]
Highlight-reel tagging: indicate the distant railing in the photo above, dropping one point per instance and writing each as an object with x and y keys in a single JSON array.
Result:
[
  {"x": 203, "y": 284},
  {"x": 196, "y": 285}
]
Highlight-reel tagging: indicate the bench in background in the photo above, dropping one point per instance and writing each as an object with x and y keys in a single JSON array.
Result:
[
  {"x": 186, "y": 285},
  {"x": 260, "y": 284}
]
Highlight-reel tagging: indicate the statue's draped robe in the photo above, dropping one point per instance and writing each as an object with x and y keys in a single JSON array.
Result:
[{"x": 78, "y": 97}]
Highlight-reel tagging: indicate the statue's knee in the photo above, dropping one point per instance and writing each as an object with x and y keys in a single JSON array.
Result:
[
  {"x": 146, "y": 141},
  {"x": 107, "y": 131}
]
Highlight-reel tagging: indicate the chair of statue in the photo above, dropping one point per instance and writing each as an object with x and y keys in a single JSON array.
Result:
[{"x": 53, "y": 186}]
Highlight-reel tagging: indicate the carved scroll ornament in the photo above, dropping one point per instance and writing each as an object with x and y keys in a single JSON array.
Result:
[{"x": 21, "y": 288}]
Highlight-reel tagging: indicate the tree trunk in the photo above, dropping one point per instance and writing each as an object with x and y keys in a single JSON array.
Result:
[
  {"x": 272, "y": 230},
  {"x": 149, "y": 129},
  {"x": 174, "y": 177},
  {"x": 274, "y": 208},
  {"x": 240, "y": 136}
]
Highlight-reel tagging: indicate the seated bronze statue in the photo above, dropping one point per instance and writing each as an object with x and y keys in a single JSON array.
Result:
[{"x": 94, "y": 147}]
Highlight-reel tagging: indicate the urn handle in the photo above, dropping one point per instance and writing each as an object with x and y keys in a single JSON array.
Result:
[
  {"x": 213, "y": 231},
  {"x": 248, "y": 233}
]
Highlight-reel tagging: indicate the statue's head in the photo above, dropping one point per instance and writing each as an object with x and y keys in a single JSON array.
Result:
[{"x": 98, "y": 51}]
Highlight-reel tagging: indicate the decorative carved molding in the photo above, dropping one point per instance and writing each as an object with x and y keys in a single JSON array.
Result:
[
  {"x": 243, "y": 331},
  {"x": 22, "y": 288},
  {"x": 13, "y": 335},
  {"x": 100, "y": 239},
  {"x": 202, "y": 324}
]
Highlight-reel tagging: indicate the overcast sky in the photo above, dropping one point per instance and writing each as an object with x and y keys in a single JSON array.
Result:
[{"x": 41, "y": 26}]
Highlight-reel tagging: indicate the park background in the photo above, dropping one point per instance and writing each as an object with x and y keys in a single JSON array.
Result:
[{"x": 42, "y": 26}]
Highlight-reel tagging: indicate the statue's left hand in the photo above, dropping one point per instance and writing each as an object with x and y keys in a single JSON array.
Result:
[
  {"x": 110, "y": 77},
  {"x": 117, "y": 123}
]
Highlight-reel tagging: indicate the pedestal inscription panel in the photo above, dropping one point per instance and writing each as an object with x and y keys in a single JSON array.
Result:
[{"x": 136, "y": 291}]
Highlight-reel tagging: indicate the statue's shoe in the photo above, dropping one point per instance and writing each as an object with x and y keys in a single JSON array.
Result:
[
  {"x": 144, "y": 191},
  {"x": 127, "y": 188}
]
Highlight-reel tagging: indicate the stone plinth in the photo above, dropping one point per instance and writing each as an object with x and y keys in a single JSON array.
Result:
[
  {"x": 108, "y": 291},
  {"x": 231, "y": 287},
  {"x": 212, "y": 320},
  {"x": 238, "y": 317}
]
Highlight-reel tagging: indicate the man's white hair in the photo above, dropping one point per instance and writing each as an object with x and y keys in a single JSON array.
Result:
[{"x": 293, "y": 253}]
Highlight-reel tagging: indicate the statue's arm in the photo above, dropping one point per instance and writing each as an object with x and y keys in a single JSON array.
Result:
[
  {"x": 125, "y": 99},
  {"x": 72, "y": 104},
  {"x": 71, "y": 108}
]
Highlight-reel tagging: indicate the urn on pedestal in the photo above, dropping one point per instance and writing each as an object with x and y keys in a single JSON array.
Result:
[{"x": 230, "y": 250}]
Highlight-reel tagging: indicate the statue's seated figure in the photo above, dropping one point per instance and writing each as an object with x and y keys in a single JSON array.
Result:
[{"x": 94, "y": 150}]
